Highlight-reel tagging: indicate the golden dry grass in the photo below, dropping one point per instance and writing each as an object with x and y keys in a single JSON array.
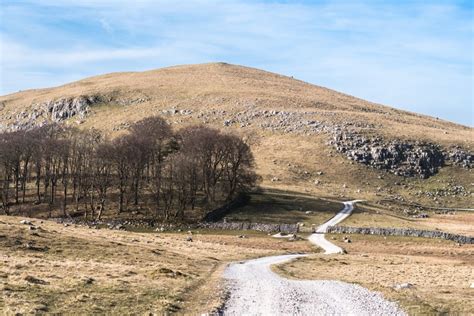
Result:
[
  {"x": 137, "y": 273},
  {"x": 441, "y": 272}
]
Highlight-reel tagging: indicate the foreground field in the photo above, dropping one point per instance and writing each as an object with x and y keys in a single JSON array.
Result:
[
  {"x": 58, "y": 269},
  {"x": 53, "y": 268},
  {"x": 440, "y": 272}
]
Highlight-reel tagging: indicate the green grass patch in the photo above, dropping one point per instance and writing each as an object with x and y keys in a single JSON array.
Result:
[{"x": 271, "y": 206}]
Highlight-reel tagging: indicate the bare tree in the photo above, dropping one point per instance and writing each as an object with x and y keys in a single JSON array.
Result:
[
  {"x": 123, "y": 154},
  {"x": 238, "y": 166},
  {"x": 6, "y": 171},
  {"x": 103, "y": 174},
  {"x": 154, "y": 134}
]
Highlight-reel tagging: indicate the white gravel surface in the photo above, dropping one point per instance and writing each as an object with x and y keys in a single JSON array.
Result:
[
  {"x": 256, "y": 290},
  {"x": 318, "y": 237}
]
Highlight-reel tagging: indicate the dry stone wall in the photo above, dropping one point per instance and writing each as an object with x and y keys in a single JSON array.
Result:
[
  {"x": 401, "y": 232},
  {"x": 262, "y": 227}
]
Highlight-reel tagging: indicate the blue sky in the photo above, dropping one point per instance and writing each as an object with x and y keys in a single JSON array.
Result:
[{"x": 414, "y": 55}]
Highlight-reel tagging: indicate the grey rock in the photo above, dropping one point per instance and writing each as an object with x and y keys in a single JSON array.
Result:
[
  {"x": 89, "y": 281},
  {"x": 31, "y": 279},
  {"x": 403, "y": 286},
  {"x": 407, "y": 159}
]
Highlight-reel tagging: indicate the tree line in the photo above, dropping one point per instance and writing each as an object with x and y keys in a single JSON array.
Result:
[{"x": 150, "y": 166}]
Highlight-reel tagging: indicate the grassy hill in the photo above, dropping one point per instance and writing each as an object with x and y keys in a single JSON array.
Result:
[{"x": 290, "y": 123}]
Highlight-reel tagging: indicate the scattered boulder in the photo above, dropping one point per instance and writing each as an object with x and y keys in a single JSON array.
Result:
[
  {"x": 403, "y": 286},
  {"x": 32, "y": 247},
  {"x": 293, "y": 237},
  {"x": 34, "y": 280},
  {"x": 82, "y": 298},
  {"x": 422, "y": 215},
  {"x": 89, "y": 281},
  {"x": 41, "y": 308}
]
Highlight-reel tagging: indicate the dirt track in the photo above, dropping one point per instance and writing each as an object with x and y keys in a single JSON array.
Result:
[{"x": 256, "y": 290}]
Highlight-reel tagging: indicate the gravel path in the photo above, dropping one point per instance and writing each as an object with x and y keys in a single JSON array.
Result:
[
  {"x": 256, "y": 290},
  {"x": 318, "y": 237}
]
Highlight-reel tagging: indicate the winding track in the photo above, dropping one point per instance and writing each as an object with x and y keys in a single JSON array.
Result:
[
  {"x": 256, "y": 290},
  {"x": 318, "y": 237}
]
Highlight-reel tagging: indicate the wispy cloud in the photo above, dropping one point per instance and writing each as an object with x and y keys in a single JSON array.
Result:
[{"x": 416, "y": 55}]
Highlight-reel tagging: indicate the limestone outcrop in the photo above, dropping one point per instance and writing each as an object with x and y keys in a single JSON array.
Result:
[
  {"x": 62, "y": 109},
  {"x": 58, "y": 110},
  {"x": 460, "y": 157},
  {"x": 403, "y": 158}
]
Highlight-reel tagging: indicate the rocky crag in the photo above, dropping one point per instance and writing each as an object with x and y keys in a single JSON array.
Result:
[
  {"x": 62, "y": 109},
  {"x": 403, "y": 158}
]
